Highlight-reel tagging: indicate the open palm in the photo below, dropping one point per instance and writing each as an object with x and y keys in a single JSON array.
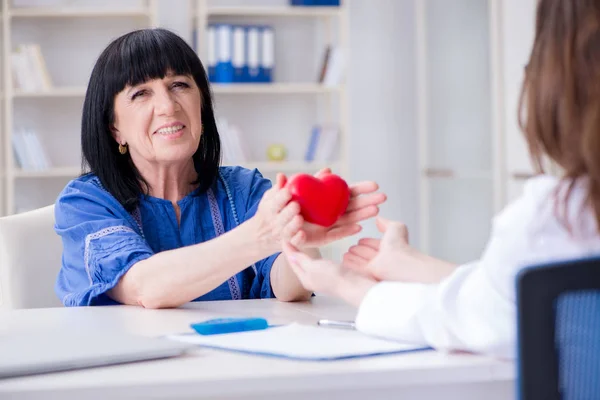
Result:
[{"x": 364, "y": 204}]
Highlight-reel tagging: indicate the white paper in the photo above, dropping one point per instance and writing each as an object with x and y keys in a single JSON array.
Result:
[{"x": 300, "y": 342}]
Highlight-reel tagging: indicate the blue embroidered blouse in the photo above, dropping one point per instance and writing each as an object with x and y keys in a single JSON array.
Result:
[{"x": 101, "y": 240}]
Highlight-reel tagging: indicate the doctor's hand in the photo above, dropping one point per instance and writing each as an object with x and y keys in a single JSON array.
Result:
[
  {"x": 364, "y": 204},
  {"x": 327, "y": 277},
  {"x": 391, "y": 258}
]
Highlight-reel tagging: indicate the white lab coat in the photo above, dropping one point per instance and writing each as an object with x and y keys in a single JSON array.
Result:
[{"x": 474, "y": 309}]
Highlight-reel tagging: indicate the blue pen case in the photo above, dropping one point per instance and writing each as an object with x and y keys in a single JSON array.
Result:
[{"x": 229, "y": 325}]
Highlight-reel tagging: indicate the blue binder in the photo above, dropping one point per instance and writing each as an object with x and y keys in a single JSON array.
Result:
[
  {"x": 239, "y": 54},
  {"x": 211, "y": 62},
  {"x": 267, "y": 51},
  {"x": 312, "y": 144},
  {"x": 253, "y": 49},
  {"x": 224, "y": 67}
]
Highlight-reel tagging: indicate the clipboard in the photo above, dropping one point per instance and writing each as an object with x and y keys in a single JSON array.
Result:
[{"x": 301, "y": 342}]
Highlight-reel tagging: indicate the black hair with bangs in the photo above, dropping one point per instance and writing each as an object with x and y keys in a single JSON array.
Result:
[{"x": 131, "y": 59}]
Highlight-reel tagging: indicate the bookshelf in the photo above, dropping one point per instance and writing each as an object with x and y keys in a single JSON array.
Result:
[
  {"x": 274, "y": 11},
  {"x": 53, "y": 111},
  {"x": 302, "y": 30},
  {"x": 285, "y": 110},
  {"x": 61, "y": 12},
  {"x": 2, "y": 100},
  {"x": 54, "y": 92},
  {"x": 275, "y": 88}
]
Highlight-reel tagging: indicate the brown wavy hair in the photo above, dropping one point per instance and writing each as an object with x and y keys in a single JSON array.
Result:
[{"x": 559, "y": 110}]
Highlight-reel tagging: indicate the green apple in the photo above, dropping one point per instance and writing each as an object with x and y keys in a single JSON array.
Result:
[{"x": 276, "y": 152}]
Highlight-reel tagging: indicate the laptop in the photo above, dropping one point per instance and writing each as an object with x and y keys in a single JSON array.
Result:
[{"x": 56, "y": 351}]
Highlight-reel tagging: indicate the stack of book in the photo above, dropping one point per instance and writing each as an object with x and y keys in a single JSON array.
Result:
[
  {"x": 29, "y": 70},
  {"x": 332, "y": 67},
  {"x": 234, "y": 149},
  {"x": 322, "y": 144},
  {"x": 29, "y": 152}
]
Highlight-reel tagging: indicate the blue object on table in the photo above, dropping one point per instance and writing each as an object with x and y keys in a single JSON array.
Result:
[
  {"x": 229, "y": 325},
  {"x": 317, "y": 3},
  {"x": 302, "y": 2}
]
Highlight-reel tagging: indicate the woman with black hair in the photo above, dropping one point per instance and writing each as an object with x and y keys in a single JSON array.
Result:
[{"x": 155, "y": 221}]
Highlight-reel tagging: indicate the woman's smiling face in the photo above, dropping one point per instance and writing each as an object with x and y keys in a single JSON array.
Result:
[{"x": 159, "y": 120}]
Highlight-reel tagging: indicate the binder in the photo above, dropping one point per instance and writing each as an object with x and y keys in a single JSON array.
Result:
[
  {"x": 239, "y": 54},
  {"x": 253, "y": 61},
  {"x": 212, "y": 52},
  {"x": 267, "y": 50},
  {"x": 224, "y": 67},
  {"x": 312, "y": 144}
]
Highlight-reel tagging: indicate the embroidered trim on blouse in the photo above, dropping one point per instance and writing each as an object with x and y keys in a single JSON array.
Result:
[
  {"x": 137, "y": 217},
  {"x": 234, "y": 210},
  {"x": 97, "y": 235},
  {"x": 135, "y": 214},
  {"x": 234, "y": 287}
]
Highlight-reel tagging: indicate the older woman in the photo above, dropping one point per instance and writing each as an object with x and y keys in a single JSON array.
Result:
[{"x": 156, "y": 222}]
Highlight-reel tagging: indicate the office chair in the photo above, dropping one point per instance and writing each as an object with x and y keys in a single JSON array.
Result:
[
  {"x": 30, "y": 258},
  {"x": 559, "y": 331}
]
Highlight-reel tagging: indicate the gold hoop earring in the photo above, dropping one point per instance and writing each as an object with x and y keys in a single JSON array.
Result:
[{"x": 123, "y": 148}]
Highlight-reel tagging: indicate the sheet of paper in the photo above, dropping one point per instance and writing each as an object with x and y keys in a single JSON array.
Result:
[{"x": 300, "y": 342}]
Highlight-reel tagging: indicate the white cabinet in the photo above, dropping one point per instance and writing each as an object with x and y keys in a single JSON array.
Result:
[
  {"x": 516, "y": 41},
  {"x": 471, "y": 58},
  {"x": 456, "y": 133}
]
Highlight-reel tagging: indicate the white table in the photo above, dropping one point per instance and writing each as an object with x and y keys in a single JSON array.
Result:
[{"x": 205, "y": 373}]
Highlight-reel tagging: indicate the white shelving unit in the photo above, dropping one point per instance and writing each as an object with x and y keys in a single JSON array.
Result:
[
  {"x": 55, "y": 92},
  {"x": 62, "y": 12},
  {"x": 283, "y": 111},
  {"x": 459, "y": 158},
  {"x": 517, "y": 33},
  {"x": 275, "y": 88},
  {"x": 244, "y": 10},
  {"x": 2, "y": 127},
  {"x": 286, "y": 110},
  {"x": 71, "y": 38}
]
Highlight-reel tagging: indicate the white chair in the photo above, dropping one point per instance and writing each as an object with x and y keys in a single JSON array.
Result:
[{"x": 30, "y": 258}]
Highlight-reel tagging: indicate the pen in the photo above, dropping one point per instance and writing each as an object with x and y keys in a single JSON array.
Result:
[{"x": 328, "y": 323}]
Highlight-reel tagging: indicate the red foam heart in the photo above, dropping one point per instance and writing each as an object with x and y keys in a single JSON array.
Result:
[{"x": 322, "y": 200}]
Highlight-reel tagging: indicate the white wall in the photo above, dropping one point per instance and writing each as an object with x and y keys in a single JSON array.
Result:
[
  {"x": 382, "y": 91},
  {"x": 518, "y": 26}
]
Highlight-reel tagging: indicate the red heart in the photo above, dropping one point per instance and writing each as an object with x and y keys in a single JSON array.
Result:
[{"x": 322, "y": 200}]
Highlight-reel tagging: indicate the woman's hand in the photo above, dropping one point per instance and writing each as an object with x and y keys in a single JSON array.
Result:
[
  {"x": 327, "y": 277},
  {"x": 393, "y": 259},
  {"x": 277, "y": 218},
  {"x": 364, "y": 204}
]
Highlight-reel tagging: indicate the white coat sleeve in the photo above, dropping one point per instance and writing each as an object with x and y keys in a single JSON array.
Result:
[{"x": 473, "y": 309}]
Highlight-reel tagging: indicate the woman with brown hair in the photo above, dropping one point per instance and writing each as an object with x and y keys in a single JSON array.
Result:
[{"x": 405, "y": 295}]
